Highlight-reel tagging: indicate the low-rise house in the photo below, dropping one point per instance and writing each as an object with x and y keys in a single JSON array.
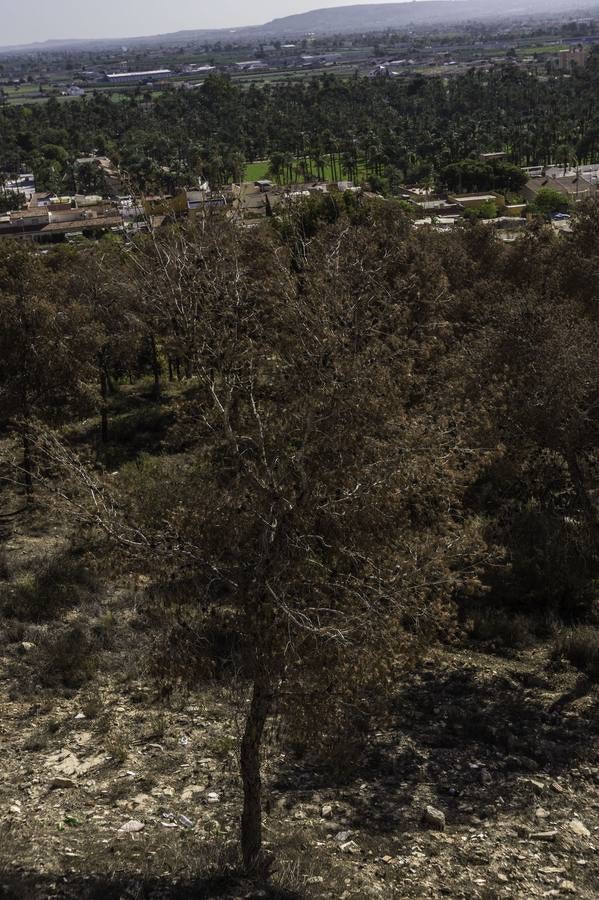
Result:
[
  {"x": 509, "y": 223},
  {"x": 58, "y": 204},
  {"x": 21, "y": 184},
  {"x": 263, "y": 185},
  {"x": 251, "y": 65},
  {"x": 193, "y": 69},
  {"x": 41, "y": 199},
  {"x": 45, "y": 225},
  {"x": 469, "y": 201},
  {"x": 384, "y": 71},
  {"x": 29, "y": 218},
  {"x": 515, "y": 210},
  {"x": 589, "y": 171},
  {"x": 439, "y": 224},
  {"x": 249, "y": 201},
  {"x": 325, "y": 59},
  {"x": 73, "y": 91},
  {"x": 436, "y": 207},
  {"x": 88, "y": 199},
  {"x": 574, "y": 187},
  {"x": 574, "y": 57},
  {"x": 58, "y": 230},
  {"x": 492, "y": 157},
  {"x": 204, "y": 199}
]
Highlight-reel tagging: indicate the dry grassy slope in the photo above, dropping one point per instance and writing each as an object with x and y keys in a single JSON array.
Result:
[{"x": 507, "y": 749}]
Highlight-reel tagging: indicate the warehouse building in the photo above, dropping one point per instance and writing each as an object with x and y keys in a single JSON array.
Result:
[{"x": 138, "y": 77}]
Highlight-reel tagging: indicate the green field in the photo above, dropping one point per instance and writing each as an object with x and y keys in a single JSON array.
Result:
[
  {"x": 258, "y": 170},
  {"x": 545, "y": 49}
]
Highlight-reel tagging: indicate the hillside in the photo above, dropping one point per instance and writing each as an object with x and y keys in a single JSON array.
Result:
[
  {"x": 379, "y": 16},
  {"x": 502, "y": 742},
  {"x": 339, "y": 20},
  {"x": 299, "y": 561}
]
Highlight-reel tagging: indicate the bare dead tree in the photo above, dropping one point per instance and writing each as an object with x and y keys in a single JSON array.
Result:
[{"x": 322, "y": 494}]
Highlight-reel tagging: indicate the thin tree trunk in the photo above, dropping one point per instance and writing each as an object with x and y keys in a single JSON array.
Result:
[
  {"x": 27, "y": 468},
  {"x": 251, "y": 819},
  {"x": 104, "y": 404},
  {"x": 583, "y": 497},
  {"x": 155, "y": 368}
]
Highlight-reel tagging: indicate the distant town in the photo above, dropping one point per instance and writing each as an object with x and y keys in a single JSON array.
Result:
[{"x": 121, "y": 139}]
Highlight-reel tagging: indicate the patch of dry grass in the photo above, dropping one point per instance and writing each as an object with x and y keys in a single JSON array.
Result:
[{"x": 581, "y": 647}]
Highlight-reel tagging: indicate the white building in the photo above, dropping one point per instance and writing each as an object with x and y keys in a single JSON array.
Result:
[
  {"x": 21, "y": 184},
  {"x": 138, "y": 77}
]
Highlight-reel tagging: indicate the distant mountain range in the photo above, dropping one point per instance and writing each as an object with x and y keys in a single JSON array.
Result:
[
  {"x": 380, "y": 16},
  {"x": 349, "y": 19}
]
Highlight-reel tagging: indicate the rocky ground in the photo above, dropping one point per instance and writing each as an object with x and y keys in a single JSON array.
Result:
[{"x": 483, "y": 784}]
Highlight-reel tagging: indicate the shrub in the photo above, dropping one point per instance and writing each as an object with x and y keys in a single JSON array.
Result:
[
  {"x": 500, "y": 627},
  {"x": 59, "y": 582},
  {"x": 486, "y": 210},
  {"x": 68, "y": 658},
  {"x": 581, "y": 647},
  {"x": 549, "y": 201}
]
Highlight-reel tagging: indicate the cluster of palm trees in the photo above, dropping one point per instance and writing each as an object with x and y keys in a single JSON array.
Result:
[{"x": 328, "y": 128}]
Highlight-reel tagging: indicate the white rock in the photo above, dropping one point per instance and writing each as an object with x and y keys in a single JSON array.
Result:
[
  {"x": 61, "y": 784},
  {"x": 187, "y": 823},
  {"x": 192, "y": 792},
  {"x": 349, "y": 847},
  {"x": 578, "y": 828},
  {"x": 213, "y": 797},
  {"x": 434, "y": 817},
  {"x": 132, "y": 827},
  {"x": 538, "y": 786},
  {"x": 66, "y": 763}
]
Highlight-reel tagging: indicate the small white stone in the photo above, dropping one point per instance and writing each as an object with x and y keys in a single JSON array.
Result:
[
  {"x": 132, "y": 827},
  {"x": 578, "y": 828}
]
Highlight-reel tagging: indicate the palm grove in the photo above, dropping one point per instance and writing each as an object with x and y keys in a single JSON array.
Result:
[
  {"x": 367, "y": 431},
  {"x": 387, "y": 130}
]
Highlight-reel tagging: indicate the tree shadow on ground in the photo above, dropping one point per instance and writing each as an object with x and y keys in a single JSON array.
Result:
[
  {"x": 33, "y": 886},
  {"x": 463, "y": 740}
]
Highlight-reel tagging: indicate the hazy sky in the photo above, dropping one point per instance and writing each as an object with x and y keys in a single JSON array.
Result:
[{"x": 39, "y": 20}]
